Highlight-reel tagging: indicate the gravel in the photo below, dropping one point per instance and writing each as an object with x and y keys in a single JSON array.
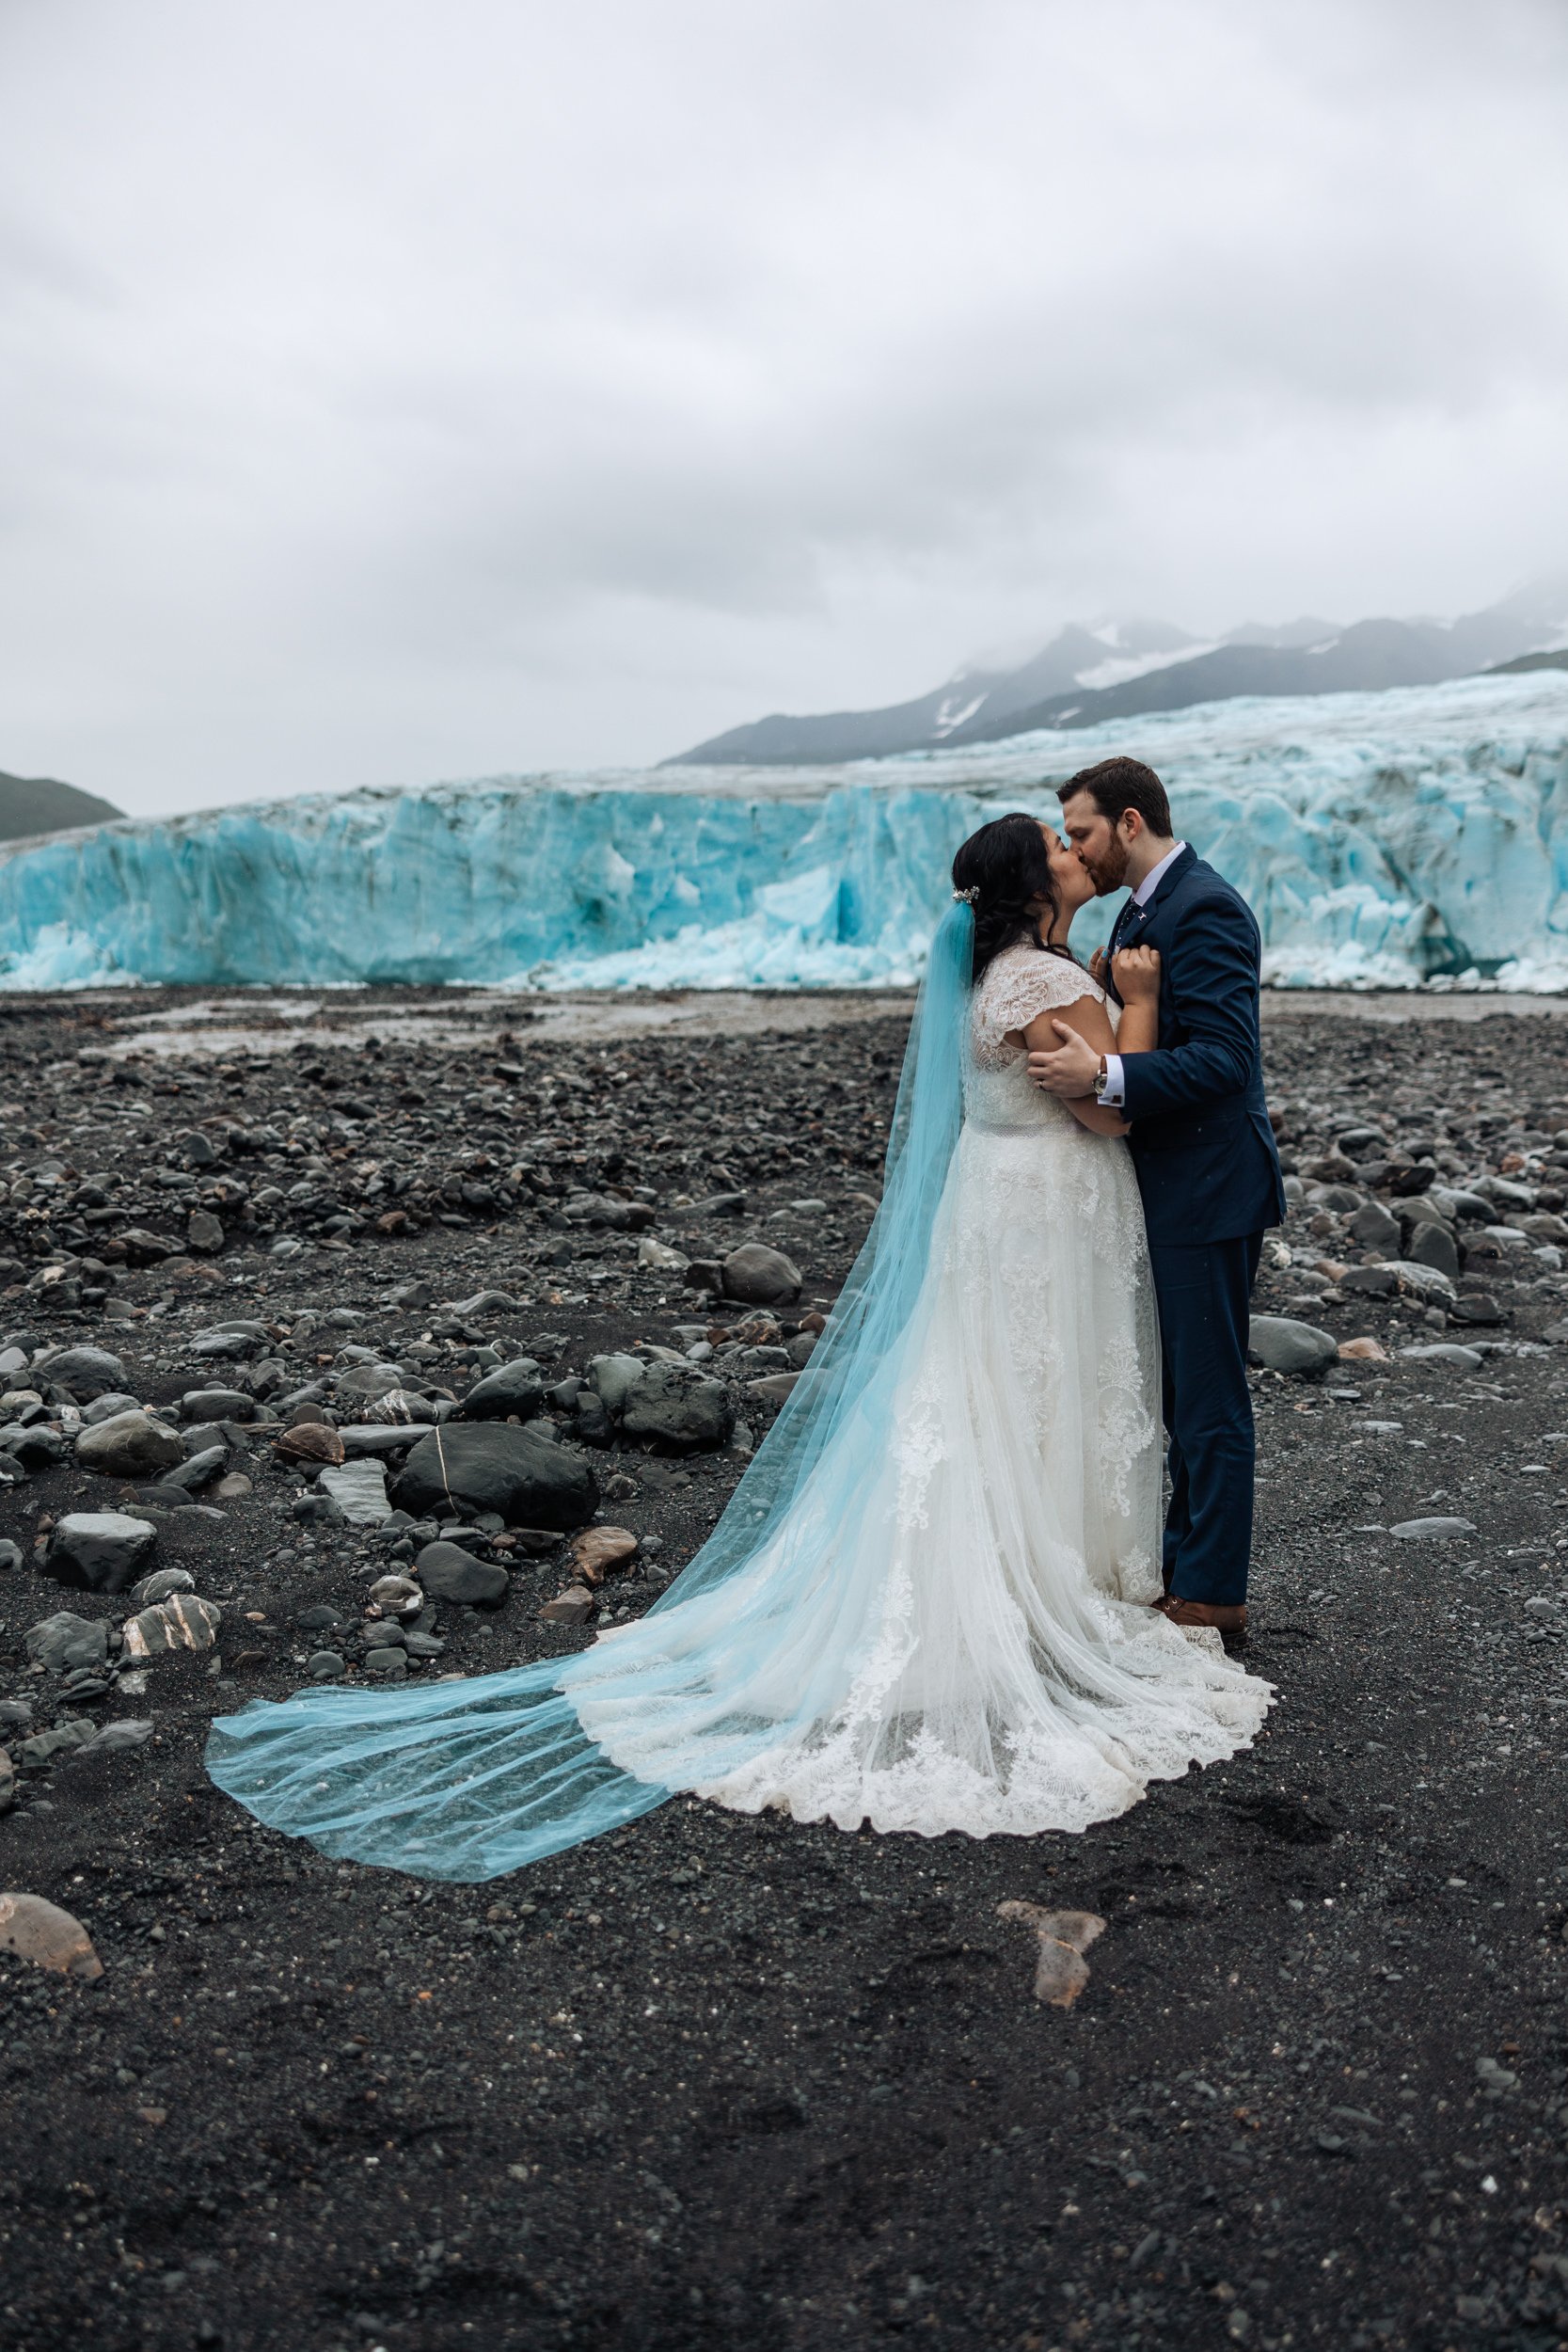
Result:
[{"x": 719, "y": 2079}]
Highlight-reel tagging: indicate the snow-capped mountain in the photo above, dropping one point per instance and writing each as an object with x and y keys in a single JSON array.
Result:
[{"x": 1127, "y": 669}]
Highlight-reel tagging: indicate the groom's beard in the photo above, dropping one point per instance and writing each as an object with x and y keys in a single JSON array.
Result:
[{"x": 1109, "y": 871}]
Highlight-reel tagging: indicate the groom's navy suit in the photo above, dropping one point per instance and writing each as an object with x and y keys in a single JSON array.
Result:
[{"x": 1210, "y": 1177}]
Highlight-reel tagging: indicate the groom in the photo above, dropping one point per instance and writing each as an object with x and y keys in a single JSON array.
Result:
[{"x": 1205, "y": 1157}]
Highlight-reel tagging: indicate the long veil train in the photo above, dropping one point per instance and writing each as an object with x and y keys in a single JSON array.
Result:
[{"x": 468, "y": 1779}]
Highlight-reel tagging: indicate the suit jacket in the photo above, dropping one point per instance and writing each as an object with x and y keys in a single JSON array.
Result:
[{"x": 1201, "y": 1141}]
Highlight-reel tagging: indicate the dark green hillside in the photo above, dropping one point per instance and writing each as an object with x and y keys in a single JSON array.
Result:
[{"x": 30, "y": 804}]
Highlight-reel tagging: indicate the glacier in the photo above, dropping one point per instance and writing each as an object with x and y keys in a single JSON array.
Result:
[{"x": 1409, "y": 838}]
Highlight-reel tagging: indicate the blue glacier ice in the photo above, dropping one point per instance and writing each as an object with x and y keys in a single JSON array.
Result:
[{"x": 1385, "y": 841}]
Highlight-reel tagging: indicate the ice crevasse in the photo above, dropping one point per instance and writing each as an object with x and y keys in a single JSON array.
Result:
[{"x": 1393, "y": 839}]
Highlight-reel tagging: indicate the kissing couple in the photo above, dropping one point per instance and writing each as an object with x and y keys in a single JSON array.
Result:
[{"x": 940, "y": 1598}]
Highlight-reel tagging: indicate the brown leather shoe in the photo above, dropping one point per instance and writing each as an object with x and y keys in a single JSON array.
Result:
[{"x": 1229, "y": 1620}]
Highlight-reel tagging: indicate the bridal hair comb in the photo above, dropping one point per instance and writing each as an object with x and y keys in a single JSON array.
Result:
[{"x": 971, "y": 897}]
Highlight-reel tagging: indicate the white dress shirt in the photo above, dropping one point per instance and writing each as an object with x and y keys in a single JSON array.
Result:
[{"x": 1112, "y": 1094}]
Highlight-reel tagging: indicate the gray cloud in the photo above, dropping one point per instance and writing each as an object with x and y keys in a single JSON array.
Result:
[{"x": 390, "y": 390}]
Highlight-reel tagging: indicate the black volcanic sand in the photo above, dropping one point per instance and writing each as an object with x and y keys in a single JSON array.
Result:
[{"x": 719, "y": 2081}]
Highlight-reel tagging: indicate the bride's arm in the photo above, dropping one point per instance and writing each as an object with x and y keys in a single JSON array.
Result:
[{"x": 1088, "y": 1015}]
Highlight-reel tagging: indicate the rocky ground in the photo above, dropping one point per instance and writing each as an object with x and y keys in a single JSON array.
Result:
[{"x": 716, "y": 2080}]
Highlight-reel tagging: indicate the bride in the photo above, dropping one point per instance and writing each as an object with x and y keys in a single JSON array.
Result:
[{"x": 927, "y": 1605}]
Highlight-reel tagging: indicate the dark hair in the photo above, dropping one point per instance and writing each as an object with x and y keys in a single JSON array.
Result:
[
  {"x": 1005, "y": 869},
  {"x": 1116, "y": 784}
]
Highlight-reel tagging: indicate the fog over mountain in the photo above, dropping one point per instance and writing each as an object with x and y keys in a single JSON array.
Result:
[{"x": 1122, "y": 669}]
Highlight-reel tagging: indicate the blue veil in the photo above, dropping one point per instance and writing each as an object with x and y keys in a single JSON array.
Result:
[{"x": 466, "y": 1779}]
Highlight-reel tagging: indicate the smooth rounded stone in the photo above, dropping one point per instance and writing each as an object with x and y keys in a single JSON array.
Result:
[
  {"x": 130, "y": 1445},
  {"x": 118, "y": 1737},
  {"x": 204, "y": 1233},
  {"x": 158, "y": 1495},
  {"x": 183, "y": 1622},
  {"x": 360, "y": 1491},
  {"x": 574, "y": 1606},
  {"x": 612, "y": 1378},
  {"x": 677, "y": 1407},
  {"x": 1432, "y": 1244},
  {"x": 1365, "y": 1350},
  {"x": 404, "y": 1407},
  {"x": 1280, "y": 1343},
  {"x": 216, "y": 1404},
  {"x": 10, "y": 1554},
  {"x": 64, "y": 1643},
  {"x": 1340, "y": 1199},
  {"x": 368, "y": 1380},
  {"x": 105, "y": 1408},
  {"x": 773, "y": 1388},
  {"x": 600, "y": 1548},
  {"x": 50, "y": 1938},
  {"x": 383, "y": 1634},
  {"x": 7, "y": 1782},
  {"x": 1432, "y": 1531},
  {"x": 514, "y": 1387},
  {"x": 447, "y": 1572},
  {"x": 198, "y": 1150},
  {"x": 102, "y": 1550},
  {"x": 1471, "y": 1208},
  {"x": 39, "y": 1753},
  {"x": 1426, "y": 1282},
  {"x": 1371, "y": 1282},
  {"x": 801, "y": 1347},
  {"x": 316, "y": 1511},
  {"x": 658, "y": 1257},
  {"x": 308, "y": 1442},
  {"x": 162, "y": 1585},
  {"x": 760, "y": 1276},
  {"x": 233, "y": 1486},
  {"x": 386, "y": 1665},
  {"x": 317, "y": 1617},
  {"x": 1374, "y": 1228},
  {"x": 1445, "y": 1352},
  {"x": 324, "y": 1665},
  {"x": 527, "y": 1478},
  {"x": 200, "y": 1470},
  {"x": 86, "y": 1372}
]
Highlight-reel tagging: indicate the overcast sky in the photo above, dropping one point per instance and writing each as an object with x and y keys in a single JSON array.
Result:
[{"x": 402, "y": 388}]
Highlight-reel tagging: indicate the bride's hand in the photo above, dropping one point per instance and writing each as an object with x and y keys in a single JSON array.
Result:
[
  {"x": 1096, "y": 966},
  {"x": 1136, "y": 972}
]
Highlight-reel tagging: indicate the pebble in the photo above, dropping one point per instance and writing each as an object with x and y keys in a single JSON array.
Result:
[{"x": 760, "y": 1276}]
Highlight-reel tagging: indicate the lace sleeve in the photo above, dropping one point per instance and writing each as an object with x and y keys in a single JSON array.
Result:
[{"x": 1022, "y": 983}]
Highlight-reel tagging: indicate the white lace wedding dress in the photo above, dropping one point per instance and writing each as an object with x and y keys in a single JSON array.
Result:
[{"x": 976, "y": 1653}]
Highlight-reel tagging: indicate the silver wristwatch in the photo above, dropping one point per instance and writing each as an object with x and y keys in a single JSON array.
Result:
[{"x": 1101, "y": 1079}]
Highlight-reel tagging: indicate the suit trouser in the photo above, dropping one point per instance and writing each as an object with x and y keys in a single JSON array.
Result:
[{"x": 1204, "y": 1289}]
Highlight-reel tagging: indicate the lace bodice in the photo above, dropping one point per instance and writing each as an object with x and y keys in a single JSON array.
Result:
[{"x": 1019, "y": 985}]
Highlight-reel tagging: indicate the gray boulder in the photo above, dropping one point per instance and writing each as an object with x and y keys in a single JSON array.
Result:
[
  {"x": 760, "y": 1276},
  {"x": 1374, "y": 1228},
  {"x": 1371, "y": 1282},
  {"x": 131, "y": 1445},
  {"x": 199, "y": 1469},
  {"x": 86, "y": 1372},
  {"x": 1432, "y": 1244},
  {"x": 204, "y": 1231},
  {"x": 105, "y": 1408},
  {"x": 1279, "y": 1344},
  {"x": 526, "y": 1479},
  {"x": 612, "y": 1378},
  {"x": 515, "y": 1388},
  {"x": 677, "y": 1407},
  {"x": 103, "y": 1551},
  {"x": 65, "y": 1642},
  {"x": 1445, "y": 1352},
  {"x": 450, "y": 1573}
]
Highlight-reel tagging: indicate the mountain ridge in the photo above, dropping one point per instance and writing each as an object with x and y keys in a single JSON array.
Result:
[
  {"x": 1070, "y": 683},
  {"x": 36, "y": 805}
]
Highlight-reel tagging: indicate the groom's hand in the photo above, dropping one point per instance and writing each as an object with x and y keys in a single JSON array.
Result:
[{"x": 1070, "y": 1071}]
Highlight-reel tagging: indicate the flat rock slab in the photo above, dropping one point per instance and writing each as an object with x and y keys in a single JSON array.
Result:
[
  {"x": 360, "y": 1491},
  {"x": 1445, "y": 1352},
  {"x": 1432, "y": 1531},
  {"x": 62, "y": 1643}
]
